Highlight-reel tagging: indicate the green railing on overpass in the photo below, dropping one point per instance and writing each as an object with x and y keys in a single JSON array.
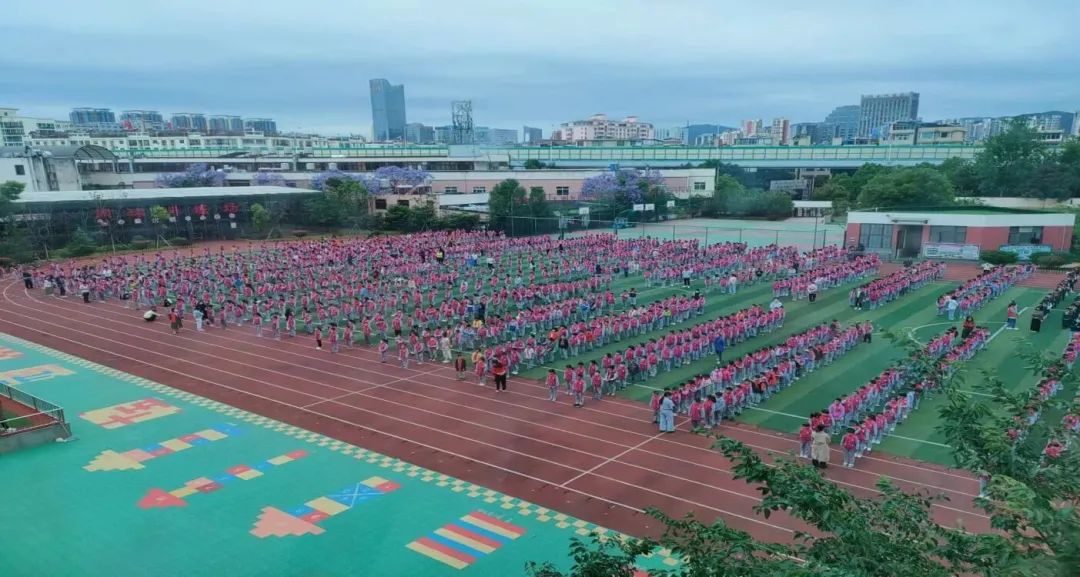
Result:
[{"x": 757, "y": 155}]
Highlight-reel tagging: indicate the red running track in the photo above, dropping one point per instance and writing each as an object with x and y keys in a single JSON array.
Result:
[{"x": 604, "y": 463}]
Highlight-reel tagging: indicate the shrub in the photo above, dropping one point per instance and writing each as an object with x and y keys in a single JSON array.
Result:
[
  {"x": 299, "y": 233},
  {"x": 80, "y": 244},
  {"x": 179, "y": 241},
  {"x": 999, "y": 257},
  {"x": 140, "y": 243},
  {"x": 1051, "y": 259}
]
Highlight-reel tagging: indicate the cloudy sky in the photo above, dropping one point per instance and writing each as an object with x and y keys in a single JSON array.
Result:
[{"x": 307, "y": 63}]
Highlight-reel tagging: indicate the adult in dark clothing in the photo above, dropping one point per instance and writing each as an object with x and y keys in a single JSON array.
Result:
[{"x": 28, "y": 279}]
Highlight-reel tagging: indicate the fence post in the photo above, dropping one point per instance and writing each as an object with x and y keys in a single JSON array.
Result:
[
  {"x": 777, "y": 241},
  {"x": 706, "y": 237}
]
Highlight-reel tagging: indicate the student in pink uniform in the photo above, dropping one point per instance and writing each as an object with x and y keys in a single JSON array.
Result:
[
  {"x": 257, "y": 321},
  {"x": 552, "y": 381},
  {"x": 579, "y": 390},
  {"x": 403, "y": 353},
  {"x": 332, "y": 333},
  {"x": 318, "y": 338},
  {"x": 384, "y": 346}
]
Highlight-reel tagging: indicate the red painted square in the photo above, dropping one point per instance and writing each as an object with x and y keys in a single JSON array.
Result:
[
  {"x": 314, "y": 516},
  {"x": 388, "y": 487},
  {"x": 299, "y": 454},
  {"x": 208, "y": 488},
  {"x": 237, "y": 469},
  {"x": 160, "y": 451},
  {"x": 190, "y": 438}
]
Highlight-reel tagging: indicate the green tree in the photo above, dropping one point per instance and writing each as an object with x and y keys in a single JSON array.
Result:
[
  {"x": 533, "y": 164},
  {"x": 343, "y": 201},
  {"x": 962, "y": 174},
  {"x": 726, "y": 187},
  {"x": 260, "y": 218},
  {"x": 15, "y": 244},
  {"x": 508, "y": 199},
  {"x": 539, "y": 207},
  {"x": 422, "y": 217},
  {"x": 397, "y": 217},
  {"x": 917, "y": 186},
  {"x": 1008, "y": 162}
]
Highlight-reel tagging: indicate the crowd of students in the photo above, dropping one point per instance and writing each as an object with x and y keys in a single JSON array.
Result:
[
  {"x": 975, "y": 293},
  {"x": 880, "y": 292},
  {"x": 864, "y": 417}
]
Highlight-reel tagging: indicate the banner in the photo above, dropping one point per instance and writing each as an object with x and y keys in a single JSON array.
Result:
[
  {"x": 1024, "y": 251},
  {"x": 950, "y": 250}
]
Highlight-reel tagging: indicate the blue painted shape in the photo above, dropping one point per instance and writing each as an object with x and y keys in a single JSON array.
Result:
[
  {"x": 456, "y": 546},
  {"x": 301, "y": 511},
  {"x": 480, "y": 531}
]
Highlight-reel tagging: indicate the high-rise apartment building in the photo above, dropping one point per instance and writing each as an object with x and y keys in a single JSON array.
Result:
[
  {"x": 225, "y": 124},
  {"x": 260, "y": 126},
  {"x": 598, "y": 127},
  {"x": 387, "y": 110},
  {"x": 751, "y": 127},
  {"x": 195, "y": 121},
  {"x": 878, "y": 111},
  {"x": 842, "y": 123},
  {"x": 780, "y": 131},
  {"x": 142, "y": 120},
  {"x": 93, "y": 118}
]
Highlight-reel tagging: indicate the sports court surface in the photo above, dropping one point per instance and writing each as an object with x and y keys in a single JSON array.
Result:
[
  {"x": 164, "y": 482},
  {"x": 602, "y": 464}
]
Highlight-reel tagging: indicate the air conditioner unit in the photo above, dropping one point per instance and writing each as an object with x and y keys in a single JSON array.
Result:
[
  {"x": 332, "y": 166},
  {"x": 284, "y": 166},
  {"x": 311, "y": 166}
]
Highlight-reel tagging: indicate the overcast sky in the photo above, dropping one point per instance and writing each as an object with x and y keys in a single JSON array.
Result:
[{"x": 307, "y": 63}]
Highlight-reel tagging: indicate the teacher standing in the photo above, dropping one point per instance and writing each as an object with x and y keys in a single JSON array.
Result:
[
  {"x": 667, "y": 414},
  {"x": 819, "y": 447}
]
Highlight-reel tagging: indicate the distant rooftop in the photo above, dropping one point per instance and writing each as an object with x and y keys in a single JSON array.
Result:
[{"x": 157, "y": 193}]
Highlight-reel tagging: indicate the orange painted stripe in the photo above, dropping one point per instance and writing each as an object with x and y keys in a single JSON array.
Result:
[
  {"x": 502, "y": 524},
  {"x": 436, "y": 546},
  {"x": 470, "y": 535}
]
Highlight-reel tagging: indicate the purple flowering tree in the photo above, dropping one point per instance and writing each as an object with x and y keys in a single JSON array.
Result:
[
  {"x": 396, "y": 180},
  {"x": 267, "y": 179},
  {"x": 318, "y": 182},
  {"x": 623, "y": 188},
  {"x": 199, "y": 174}
]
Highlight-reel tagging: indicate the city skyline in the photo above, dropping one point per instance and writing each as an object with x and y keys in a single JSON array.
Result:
[{"x": 519, "y": 75}]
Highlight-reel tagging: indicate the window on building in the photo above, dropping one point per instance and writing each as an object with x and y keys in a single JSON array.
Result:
[
  {"x": 876, "y": 236},
  {"x": 450, "y": 190},
  {"x": 380, "y": 204},
  {"x": 479, "y": 189},
  {"x": 699, "y": 185},
  {"x": 953, "y": 234},
  {"x": 404, "y": 203},
  {"x": 562, "y": 191},
  {"x": 20, "y": 169},
  {"x": 1025, "y": 234}
]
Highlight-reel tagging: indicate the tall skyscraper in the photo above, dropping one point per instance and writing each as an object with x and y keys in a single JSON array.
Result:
[
  {"x": 387, "y": 110},
  {"x": 878, "y": 111},
  {"x": 780, "y": 131}
]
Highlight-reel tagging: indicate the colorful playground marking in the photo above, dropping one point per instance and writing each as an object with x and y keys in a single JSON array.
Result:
[
  {"x": 7, "y": 354},
  {"x": 16, "y": 377},
  {"x": 126, "y": 414},
  {"x": 461, "y": 543},
  {"x": 302, "y": 520},
  {"x": 110, "y": 460},
  {"x": 155, "y": 498}
]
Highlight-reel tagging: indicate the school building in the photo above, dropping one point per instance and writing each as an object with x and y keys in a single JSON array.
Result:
[{"x": 959, "y": 233}]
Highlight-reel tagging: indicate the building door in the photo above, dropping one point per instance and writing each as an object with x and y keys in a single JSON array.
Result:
[{"x": 909, "y": 240}]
